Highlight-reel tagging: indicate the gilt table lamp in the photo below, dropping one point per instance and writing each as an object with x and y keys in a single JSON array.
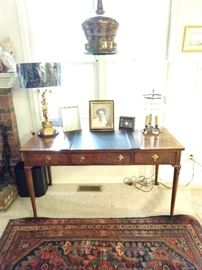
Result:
[{"x": 41, "y": 75}]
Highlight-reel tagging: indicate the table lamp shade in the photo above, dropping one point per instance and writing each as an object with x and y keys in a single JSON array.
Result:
[
  {"x": 37, "y": 75},
  {"x": 41, "y": 75}
]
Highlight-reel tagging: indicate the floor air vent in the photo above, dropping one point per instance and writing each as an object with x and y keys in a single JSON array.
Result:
[{"x": 87, "y": 188}]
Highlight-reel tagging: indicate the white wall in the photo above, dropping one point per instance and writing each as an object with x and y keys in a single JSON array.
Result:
[
  {"x": 9, "y": 27},
  {"x": 184, "y": 90},
  {"x": 183, "y": 96}
]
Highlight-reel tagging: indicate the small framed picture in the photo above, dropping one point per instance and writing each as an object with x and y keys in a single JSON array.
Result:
[
  {"x": 101, "y": 115},
  {"x": 192, "y": 40},
  {"x": 126, "y": 122},
  {"x": 70, "y": 118}
]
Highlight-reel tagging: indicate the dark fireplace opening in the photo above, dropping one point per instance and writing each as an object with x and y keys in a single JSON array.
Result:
[{"x": 9, "y": 138}]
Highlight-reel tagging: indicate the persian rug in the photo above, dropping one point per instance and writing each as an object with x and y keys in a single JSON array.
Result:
[{"x": 152, "y": 243}]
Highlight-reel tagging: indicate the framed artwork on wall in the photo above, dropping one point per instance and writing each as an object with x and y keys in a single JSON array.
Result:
[
  {"x": 70, "y": 118},
  {"x": 192, "y": 39},
  {"x": 101, "y": 115}
]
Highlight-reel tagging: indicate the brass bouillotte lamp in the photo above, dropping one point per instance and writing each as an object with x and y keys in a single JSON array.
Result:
[{"x": 152, "y": 103}]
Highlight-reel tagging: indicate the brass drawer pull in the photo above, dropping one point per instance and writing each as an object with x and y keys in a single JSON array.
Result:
[
  {"x": 47, "y": 158},
  {"x": 120, "y": 157},
  {"x": 155, "y": 157},
  {"x": 82, "y": 158}
]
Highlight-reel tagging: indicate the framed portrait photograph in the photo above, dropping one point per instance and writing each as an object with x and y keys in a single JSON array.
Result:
[
  {"x": 192, "y": 40},
  {"x": 127, "y": 122},
  {"x": 101, "y": 115},
  {"x": 70, "y": 118}
]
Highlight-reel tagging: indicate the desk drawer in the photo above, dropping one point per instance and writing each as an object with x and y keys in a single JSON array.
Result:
[
  {"x": 45, "y": 159},
  {"x": 101, "y": 158},
  {"x": 155, "y": 157}
]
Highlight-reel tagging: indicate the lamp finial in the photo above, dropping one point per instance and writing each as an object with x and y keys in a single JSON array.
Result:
[{"x": 100, "y": 10}]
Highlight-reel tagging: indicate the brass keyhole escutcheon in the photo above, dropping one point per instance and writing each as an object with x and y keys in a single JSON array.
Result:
[
  {"x": 155, "y": 157},
  {"x": 120, "y": 157},
  {"x": 82, "y": 158},
  {"x": 48, "y": 158}
]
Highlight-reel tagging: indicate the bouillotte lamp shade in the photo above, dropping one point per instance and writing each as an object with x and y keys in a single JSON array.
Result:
[{"x": 41, "y": 75}]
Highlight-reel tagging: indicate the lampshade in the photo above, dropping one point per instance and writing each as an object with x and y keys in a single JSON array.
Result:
[
  {"x": 100, "y": 32},
  {"x": 41, "y": 75},
  {"x": 36, "y": 75}
]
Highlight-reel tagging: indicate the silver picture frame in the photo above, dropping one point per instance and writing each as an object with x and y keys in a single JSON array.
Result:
[{"x": 70, "y": 117}]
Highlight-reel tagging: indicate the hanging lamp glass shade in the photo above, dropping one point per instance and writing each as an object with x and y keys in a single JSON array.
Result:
[{"x": 100, "y": 32}]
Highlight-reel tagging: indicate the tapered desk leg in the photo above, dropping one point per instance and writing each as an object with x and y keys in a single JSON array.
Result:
[
  {"x": 49, "y": 176},
  {"x": 28, "y": 173},
  {"x": 174, "y": 188},
  {"x": 156, "y": 174}
]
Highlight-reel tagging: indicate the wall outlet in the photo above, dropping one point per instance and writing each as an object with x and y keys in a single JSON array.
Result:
[{"x": 191, "y": 157}]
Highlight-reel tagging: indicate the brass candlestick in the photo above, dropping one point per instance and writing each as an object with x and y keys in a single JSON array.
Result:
[{"x": 149, "y": 128}]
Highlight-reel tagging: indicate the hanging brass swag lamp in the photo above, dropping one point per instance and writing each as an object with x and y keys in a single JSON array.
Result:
[{"x": 100, "y": 32}]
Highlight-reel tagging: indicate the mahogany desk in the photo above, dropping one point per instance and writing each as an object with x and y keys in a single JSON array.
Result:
[{"x": 102, "y": 148}]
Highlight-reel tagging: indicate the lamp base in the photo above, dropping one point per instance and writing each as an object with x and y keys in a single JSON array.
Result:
[
  {"x": 150, "y": 130},
  {"x": 47, "y": 130},
  {"x": 44, "y": 134}
]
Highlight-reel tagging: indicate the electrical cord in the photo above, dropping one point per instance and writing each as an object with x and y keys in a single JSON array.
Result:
[
  {"x": 194, "y": 162},
  {"x": 143, "y": 183},
  {"x": 146, "y": 184},
  {"x": 192, "y": 176}
]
